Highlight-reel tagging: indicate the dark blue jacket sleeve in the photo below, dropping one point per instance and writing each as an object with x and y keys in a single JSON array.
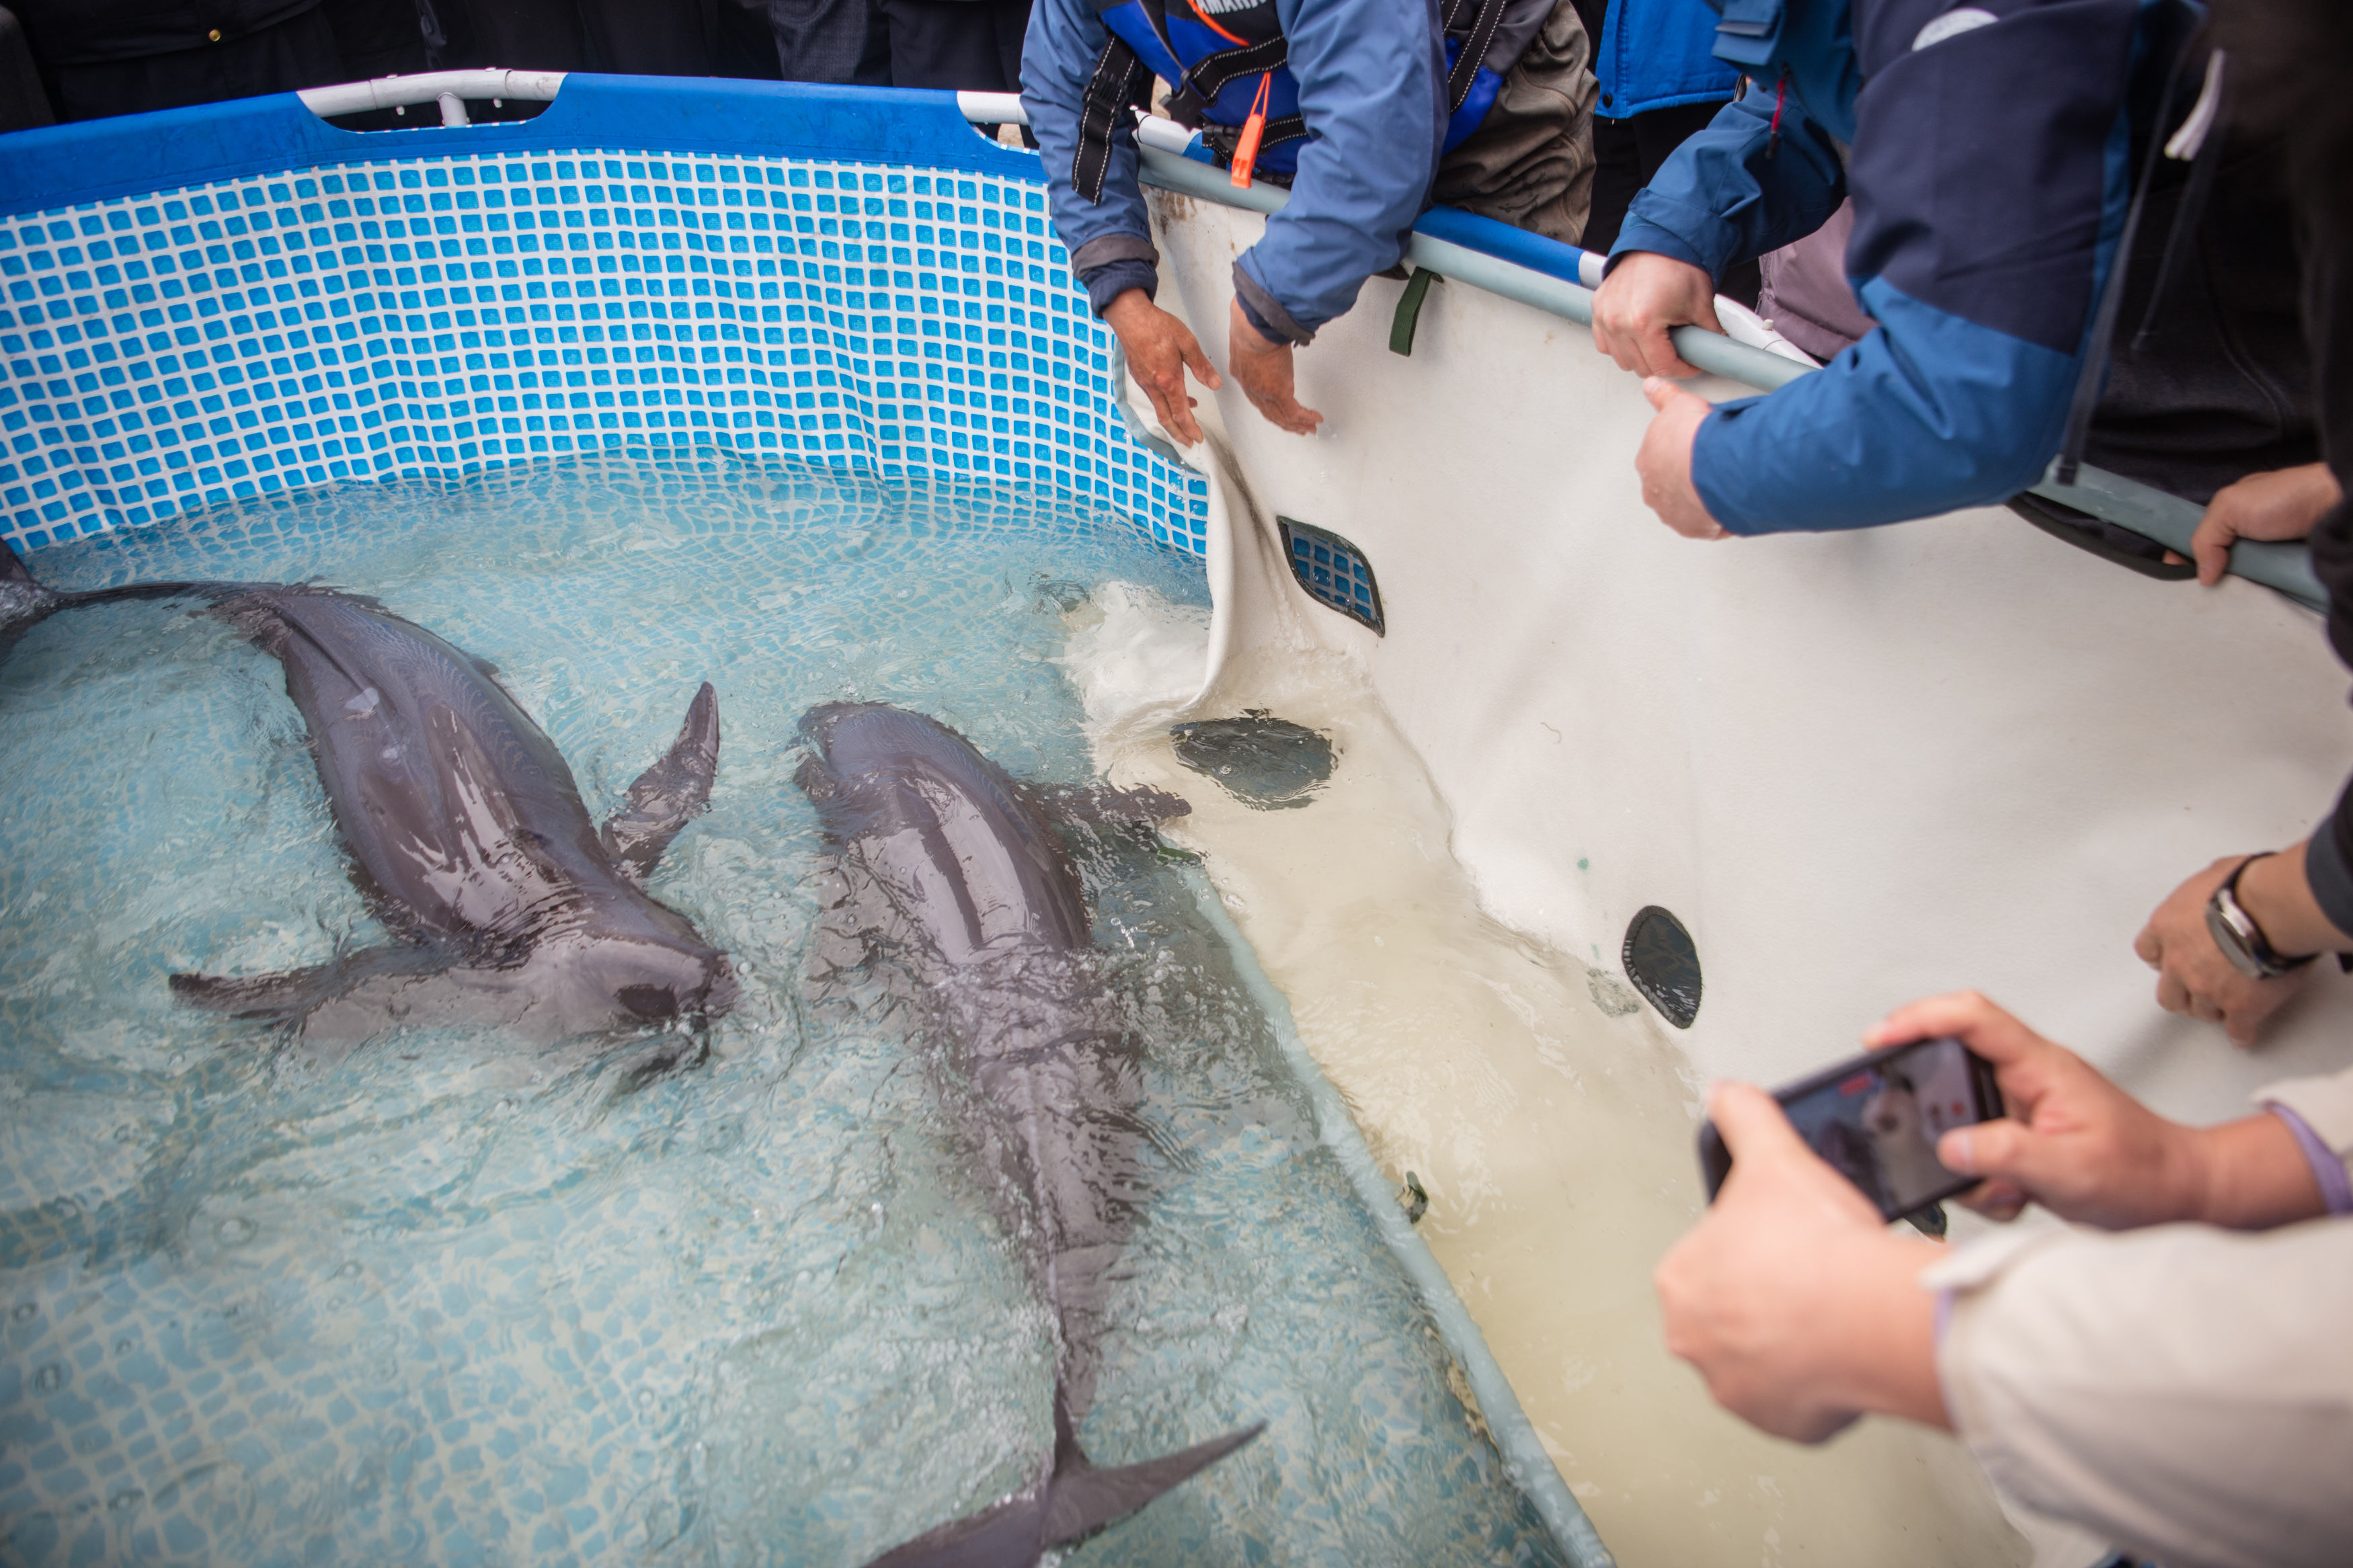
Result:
[
  {"x": 1371, "y": 87},
  {"x": 1930, "y": 413},
  {"x": 2328, "y": 863},
  {"x": 1110, "y": 241},
  {"x": 1736, "y": 190},
  {"x": 1989, "y": 174}
]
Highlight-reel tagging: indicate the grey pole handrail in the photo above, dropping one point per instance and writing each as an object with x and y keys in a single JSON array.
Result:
[
  {"x": 2150, "y": 512},
  {"x": 2144, "y": 509}
]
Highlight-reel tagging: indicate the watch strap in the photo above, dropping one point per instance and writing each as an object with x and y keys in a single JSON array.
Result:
[{"x": 2234, "y": 928}]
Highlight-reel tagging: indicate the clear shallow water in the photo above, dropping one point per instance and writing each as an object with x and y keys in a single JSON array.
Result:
[{"x": 452, "y": 1300}]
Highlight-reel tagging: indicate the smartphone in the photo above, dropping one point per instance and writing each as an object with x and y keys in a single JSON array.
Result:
[{"x": 1876, "y": 1119}]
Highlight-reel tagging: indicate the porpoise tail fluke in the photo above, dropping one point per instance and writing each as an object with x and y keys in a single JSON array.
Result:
[
  {"x": 1068, "y": 1506},
  {"x": 23, "y": 599},
  {"x": 26, "y": 601}
]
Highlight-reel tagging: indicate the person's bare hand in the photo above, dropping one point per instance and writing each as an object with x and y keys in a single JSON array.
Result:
[
  {"x": 2280, "y": 505},
  {"x": 1643, "y": 298},
  {"x": 2088, "y": 1151},
  {"x": 1791, "y": 1296},
  {"x": 2193, "y": 977},
  {"x": 2072, "y": 1141},
  {"x": 1263, "y": 369},
  {"x": 1159, "y": 349},
  {"x": 1665, "y": 460}
]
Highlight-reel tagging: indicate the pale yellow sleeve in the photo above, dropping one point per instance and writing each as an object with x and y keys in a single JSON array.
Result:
[{"x": 2185, "y": 1391}]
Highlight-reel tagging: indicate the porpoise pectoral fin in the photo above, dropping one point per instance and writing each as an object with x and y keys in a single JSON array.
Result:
[
  {"x": 666, "y": 795},
  {"x": 359, "y": 997},
  {"x": 1101, "y": 805},
  {"x": 286, "y": 997},
  {"x": 274, "y": 997},
  {"x": 1080, "y": 1502}
]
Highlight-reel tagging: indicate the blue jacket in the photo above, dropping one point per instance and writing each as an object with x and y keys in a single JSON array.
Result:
[
  {"x": 1659, "y": 54},
  {"x": 1372, "y": 86},
  {"x": 1989, "y": 168}
]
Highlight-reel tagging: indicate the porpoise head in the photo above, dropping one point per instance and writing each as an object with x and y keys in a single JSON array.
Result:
[
  {"x": 851, "y": 743},
  {"x": 857, "y": 737},
  {"x": 855, "y": 748},
  {"x": 621, "y": 983},
  {"x": 561, "y": 989}
]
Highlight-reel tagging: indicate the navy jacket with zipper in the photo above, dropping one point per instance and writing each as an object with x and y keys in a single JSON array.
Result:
[{"x": 1989, "y": 150}]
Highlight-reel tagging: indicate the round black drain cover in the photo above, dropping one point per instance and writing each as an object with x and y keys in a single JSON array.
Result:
[
  {"x": 1264, "y": 762},
  {"x": 1663, "y": 961}
]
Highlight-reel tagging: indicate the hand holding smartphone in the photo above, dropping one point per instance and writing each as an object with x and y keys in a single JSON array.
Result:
[{"x": 1876, "y": 1118}]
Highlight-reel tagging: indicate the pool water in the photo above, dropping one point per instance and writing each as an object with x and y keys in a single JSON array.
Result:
[{"x": 454, "y": 1300}]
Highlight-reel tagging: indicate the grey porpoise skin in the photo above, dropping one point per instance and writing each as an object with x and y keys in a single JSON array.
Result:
[
  {"x": 465, "y": 833},
  {"x": 26, "y": 601},
  {"x": 948, "y": 866}
]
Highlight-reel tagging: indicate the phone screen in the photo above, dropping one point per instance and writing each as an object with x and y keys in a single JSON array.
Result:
[
  {"x": 1876, "y": 1119},
  {"x": 1878, "y": 1122}
]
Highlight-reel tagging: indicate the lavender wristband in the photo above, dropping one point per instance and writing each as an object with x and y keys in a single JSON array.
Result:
[{"x": 2327, "y": 1170}]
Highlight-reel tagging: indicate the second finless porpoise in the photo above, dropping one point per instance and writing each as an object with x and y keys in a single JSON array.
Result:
[{"x": 950, "y": 867}]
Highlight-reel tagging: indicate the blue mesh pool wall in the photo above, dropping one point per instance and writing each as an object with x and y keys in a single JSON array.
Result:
[{"x": 240, "y": 300}]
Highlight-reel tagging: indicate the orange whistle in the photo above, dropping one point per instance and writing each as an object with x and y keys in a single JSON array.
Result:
[{"x": 1246, "y": 145}]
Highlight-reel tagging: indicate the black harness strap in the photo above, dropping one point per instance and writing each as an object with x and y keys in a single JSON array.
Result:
[
  {"x": 1108, "y": 89},
  {"x": 1209, "y": 75},
  {"x": 1222, "y": 139},
  {"x": 1106, "y": 100},
  {"x": 2183, "y": 234},
  {"x": 2092, "y": 379},
  {"x": 1474, "y": 49}
]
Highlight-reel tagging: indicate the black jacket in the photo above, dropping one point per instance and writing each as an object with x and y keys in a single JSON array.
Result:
[{"x": 93, "y": 32}]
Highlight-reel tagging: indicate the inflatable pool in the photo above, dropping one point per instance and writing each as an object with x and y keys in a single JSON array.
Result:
[{"x": 1727, "y": 802}]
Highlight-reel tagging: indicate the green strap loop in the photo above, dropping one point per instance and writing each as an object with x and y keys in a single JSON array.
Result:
[{"x": 1409, "y": 310}]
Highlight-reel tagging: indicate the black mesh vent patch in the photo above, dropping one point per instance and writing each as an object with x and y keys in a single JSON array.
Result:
[
  {"x": 1333, "y": 569},
  {"x": 1663, "y": 961}
]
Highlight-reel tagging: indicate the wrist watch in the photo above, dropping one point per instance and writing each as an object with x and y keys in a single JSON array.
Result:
[{"x": 2241, "y": 941}]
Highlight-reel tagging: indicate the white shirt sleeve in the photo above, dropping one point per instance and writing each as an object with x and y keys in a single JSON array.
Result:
[{"x": 2186, "y": 1391}]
